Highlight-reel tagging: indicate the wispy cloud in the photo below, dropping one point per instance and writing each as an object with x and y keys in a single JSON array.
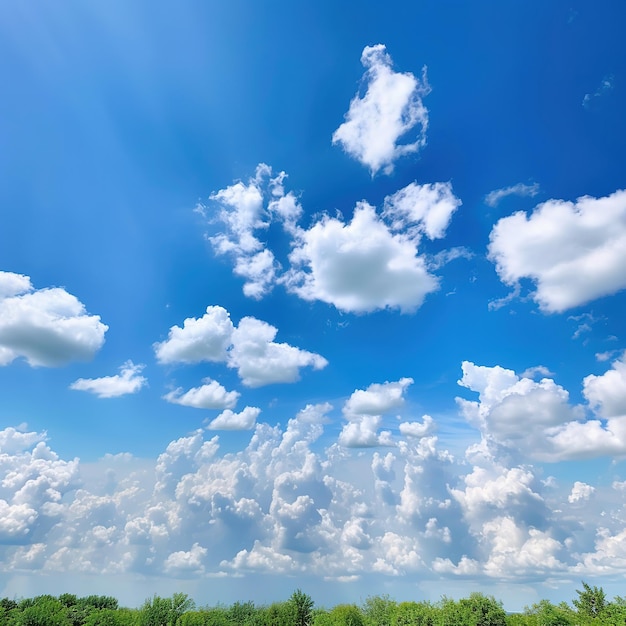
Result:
[
  {"x": 493, "y": 198},
  {"x": 606, "y": 86}
]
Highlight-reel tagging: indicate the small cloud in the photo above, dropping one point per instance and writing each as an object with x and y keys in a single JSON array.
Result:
[
  {"x": 537, "y": 370},
  {"x": 391, "y": 107},
  {"x": 211, "y": 395},
  {"x": 493, "y": 198},
  {"x": 126, "y": 382},
  {"x": 228, "y": 420},
  {"x": 581, "y": 492},
  {"x": 606, "y": 86}
]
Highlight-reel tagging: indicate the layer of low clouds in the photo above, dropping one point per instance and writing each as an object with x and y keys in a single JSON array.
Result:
[
  {"x": 248, "y": 347},
  {"x": 390, "y": 108},
  {"x": 128, "y": 381},
  {"x": 574, "y": 252},
  {"x": 46, "y": 327},
  {"x": 286, "y": 504}
]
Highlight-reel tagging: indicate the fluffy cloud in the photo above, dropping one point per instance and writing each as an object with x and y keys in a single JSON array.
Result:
[
  {"x": 246, "y": 210},
  {"x": 607, "y": 392},
  {"x": 228, "y": 420},
  {"x": 248, "y": 347},
  {"x": 417, "y": 429},
  {"x": 369, "y": 263},
  {"x": 284, "y": 504},
  {"x": 47, "y": 327},
  {"x": 537, "y": 419},
  {"x": 575, "y": 252},
  {"x": 360, "y": 266},
  {"x": 364, "y": 410},
  {"x": 427, "y": 208},
  {"x": 203, "y": 339},
  {"x": 581, "y": 492},
  {"x": 493, "y": 198},
  {"x": 390, "y": 108},
  {"x": 261, "y": 361},
  {"x": 377, "y": 399},
  {"x": 210, "y": 395},
  {"x": 127, "y": 381}
]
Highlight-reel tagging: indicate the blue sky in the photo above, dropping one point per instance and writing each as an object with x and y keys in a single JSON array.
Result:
[{"x": 312, "y": 296}]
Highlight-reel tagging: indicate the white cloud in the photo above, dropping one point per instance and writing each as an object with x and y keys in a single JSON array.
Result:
[
  {"x": 390, "y": 108},
  {"x": 186, "y": 562},
  {"x": 417, "y": 429},
  {"x": 248, "y": 347},
  {"x": 360, "y": 266},
  {"x": 377, "y": 399},
  {"x": 283, "y": 504},
  {"x": 261, "y": 361},
  {"x": 493, "y": 198},
  {"x": 47, "y": 327},
  {"x": 210, "y": 395},
  {"x": 581, "y": 492},
  {"x": 246, "y": 210},
  {"x": 427, "y": 207},
  {"x": 228, "y": 420},
  {"x": 537, "y": 419},
  {"x": 606, "y": 86},
  {"x": 575, "y": 252},
  {"x": 203, "y": 339},
  {"x": 607, "y": 392},
  {"x": 364, "y": 410},
  {"x": 127, "y": 381}
]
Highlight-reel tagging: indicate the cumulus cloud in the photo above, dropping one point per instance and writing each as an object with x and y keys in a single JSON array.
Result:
[
  {"x": 129, "y": 380},
  {"x": 494, "y": 197},
  {"x": 418, "y": 429},
  {"x": 607, "y": 393},
  {"x": 249, "y": 347},
  {"x": 261, "y": 361},
  {"x": 390, "y": 108},
  {"x": 574, "y": 252},
  {"x": 285, "y": 504},
  {"x": 377, "y": 399},
  {"x": 47, "y": 327},
  {"x": 371, "y": 262},
  {"x": 580, "y": 492},
  {"x": 360, "y": 266},
  {"x": 426, "y": 208},
  {"x": 204, "y": 339},
  {"x": 246, "y": 210},
  {"x": 228, "y": 420},
  {"x": 364, "y": 410},
  {"x": 537, "y": 418},
  {"x": 210, "y": 395}
]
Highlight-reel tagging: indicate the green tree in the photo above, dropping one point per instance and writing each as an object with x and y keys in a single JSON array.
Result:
[
  {"x": 547, "y": 614},
  {"x": 379, "y": 610},
  {"x": 303, "y": 605},
  {"x": 481, "y": 610},
  {"x": 157, "y": 611},
  {"x": 591, "y": 601},
  {"x": 346, "y": 615},
  {"x": 414, "y": 614}
]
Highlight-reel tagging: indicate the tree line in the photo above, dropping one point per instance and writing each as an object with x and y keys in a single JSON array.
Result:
[{"x": 590, "y": 607}]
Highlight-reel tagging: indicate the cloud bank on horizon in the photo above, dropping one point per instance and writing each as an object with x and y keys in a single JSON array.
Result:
[{"x": 335, "y": 387}]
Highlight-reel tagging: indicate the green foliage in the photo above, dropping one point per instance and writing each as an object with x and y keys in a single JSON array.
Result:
[
  {"x": 159, "y": 611},
  {"x": 415, "y": 614},
  {"x": 303, "y": 604},
  {"x": 346, "y": 615},
  {"x": 544, "y": 613},
  {"x": 379, "y": 610},
  {"x": 591, "y": 601}
]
